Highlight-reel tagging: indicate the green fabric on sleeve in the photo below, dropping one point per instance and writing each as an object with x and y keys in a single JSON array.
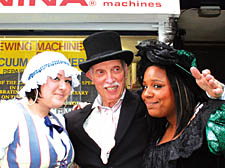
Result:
[{"x": 215, "y": 131}]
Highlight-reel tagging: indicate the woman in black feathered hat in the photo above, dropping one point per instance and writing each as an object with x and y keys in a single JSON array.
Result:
[{"x": 188, "y": 119}]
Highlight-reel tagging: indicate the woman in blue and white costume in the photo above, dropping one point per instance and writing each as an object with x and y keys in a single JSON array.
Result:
[{"x": 31, "y": 135}]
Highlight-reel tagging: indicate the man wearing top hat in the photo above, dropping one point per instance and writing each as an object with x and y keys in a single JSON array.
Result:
[{"x": 112, "y": 132}]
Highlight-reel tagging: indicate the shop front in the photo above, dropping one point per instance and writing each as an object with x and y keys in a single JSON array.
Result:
[{"x": 30, "y": 27}]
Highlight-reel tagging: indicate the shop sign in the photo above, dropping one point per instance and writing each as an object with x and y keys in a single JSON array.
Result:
[
  {"x": 91, "y": 6},
  {"x": 15, "y": 54}
]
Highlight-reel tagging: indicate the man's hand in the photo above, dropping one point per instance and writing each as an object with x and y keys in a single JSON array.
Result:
[
  {"x": 80, "y": 105},
  {"x": 207, "y": 82}
]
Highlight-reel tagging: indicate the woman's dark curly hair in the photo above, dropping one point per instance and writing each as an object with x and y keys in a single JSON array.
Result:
[{"x": 177, "y": 64}]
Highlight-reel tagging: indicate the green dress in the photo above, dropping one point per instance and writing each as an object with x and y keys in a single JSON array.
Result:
[{"x": 215, "y": 131}]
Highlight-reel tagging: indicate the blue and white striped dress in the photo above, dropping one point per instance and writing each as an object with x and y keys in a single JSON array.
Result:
[{"x": 25, "y": 140}]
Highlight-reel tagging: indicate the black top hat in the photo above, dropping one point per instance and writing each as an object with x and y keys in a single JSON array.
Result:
[{"x": 104, "y": 46}]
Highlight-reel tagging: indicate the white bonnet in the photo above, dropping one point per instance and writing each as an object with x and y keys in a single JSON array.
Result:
[{"x": 46, "y": 64}]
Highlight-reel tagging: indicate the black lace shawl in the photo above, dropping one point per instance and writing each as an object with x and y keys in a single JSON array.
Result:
[{"x": 189, "y": 150}]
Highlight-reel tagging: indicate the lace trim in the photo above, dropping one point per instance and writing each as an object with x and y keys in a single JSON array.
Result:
[{"x": 190, "y": 140}]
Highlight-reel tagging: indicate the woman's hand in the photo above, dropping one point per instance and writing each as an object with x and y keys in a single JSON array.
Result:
[{"x": 207, "y": 82}]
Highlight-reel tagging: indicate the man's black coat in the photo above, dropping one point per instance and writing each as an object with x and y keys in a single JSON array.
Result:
[{"x": 131, "y": 136}]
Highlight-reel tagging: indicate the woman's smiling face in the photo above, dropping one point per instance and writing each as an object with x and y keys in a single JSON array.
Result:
[
  {"x": 55, "y": 91},
  {"x": 158, "y": 94}
]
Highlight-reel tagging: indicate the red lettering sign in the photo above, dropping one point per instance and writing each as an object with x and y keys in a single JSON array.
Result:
[{"x": 47, "y": 2}]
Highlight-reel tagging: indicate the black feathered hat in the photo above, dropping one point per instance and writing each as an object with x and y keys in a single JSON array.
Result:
[
  {"x": 104, "y": 46},
  {"x": 154, "y": 52},
  {"x": 160, "y": 53}
]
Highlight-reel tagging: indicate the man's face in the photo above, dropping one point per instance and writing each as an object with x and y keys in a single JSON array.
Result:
[{"x": 109, "y": 80}]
